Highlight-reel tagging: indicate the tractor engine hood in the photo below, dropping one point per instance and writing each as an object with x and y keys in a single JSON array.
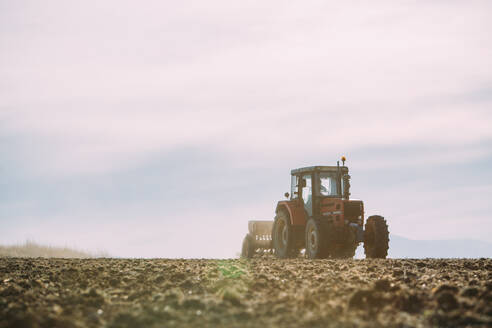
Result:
[{"x": 342, "y": 211}]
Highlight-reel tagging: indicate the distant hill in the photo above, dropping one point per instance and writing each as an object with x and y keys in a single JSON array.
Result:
[
  {"x": 401, "y": 247},
  {"x": 32, "y": 249}
]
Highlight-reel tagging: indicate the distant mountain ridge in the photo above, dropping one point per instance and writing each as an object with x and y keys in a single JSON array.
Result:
[{"x": 401, "y": 247}]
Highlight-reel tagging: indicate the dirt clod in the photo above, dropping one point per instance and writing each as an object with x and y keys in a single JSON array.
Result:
[
  {"x": 264, "y": 292},
  {"x": 470, "y": 292},
  {"x": 382, "y": 285},
  {"x": 447, "y": 301}
]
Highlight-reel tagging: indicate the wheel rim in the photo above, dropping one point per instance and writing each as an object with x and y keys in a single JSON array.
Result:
[
  {"x": 284, "y": 235},
  {"x": 281, "y": 234},
  {"x": 313, "y": 239}
]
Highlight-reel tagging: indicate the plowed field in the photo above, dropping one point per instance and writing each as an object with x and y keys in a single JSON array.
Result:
[{"x": 240, "y": 293}]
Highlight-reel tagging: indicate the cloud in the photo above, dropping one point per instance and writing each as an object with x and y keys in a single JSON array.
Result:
[{"x": 104, "y": 104}]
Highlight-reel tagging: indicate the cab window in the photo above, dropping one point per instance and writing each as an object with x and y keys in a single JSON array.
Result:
[
  {"x": 307, "y": 193},
  {"x": 328, "y": 184},
  {"x": 294, "y": 183}
]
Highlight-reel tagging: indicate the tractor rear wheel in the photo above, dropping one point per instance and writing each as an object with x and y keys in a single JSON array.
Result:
[
  {"x": 376, "y": 237},
  {"x": 248, "y": 249},
  {"x": 315, "y": 240},
  {"x": 283, "y": 236}
]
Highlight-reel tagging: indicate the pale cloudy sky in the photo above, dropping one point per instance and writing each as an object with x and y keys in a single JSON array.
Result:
[{"x": 158, "y": 128}]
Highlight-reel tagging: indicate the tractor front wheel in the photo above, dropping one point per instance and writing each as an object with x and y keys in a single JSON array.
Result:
[
  {"x": 315, "y": 240},
  {"x": 283, "y": 237},
  {"x": 376, "y": 237}
]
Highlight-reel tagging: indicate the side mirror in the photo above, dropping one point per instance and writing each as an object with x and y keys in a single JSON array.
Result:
[
  {"x": 303, "y": 183},
  {"x": 286, "y": 195}
]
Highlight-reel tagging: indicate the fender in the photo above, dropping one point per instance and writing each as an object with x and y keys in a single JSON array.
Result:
[{"x": 295, "y": 208}]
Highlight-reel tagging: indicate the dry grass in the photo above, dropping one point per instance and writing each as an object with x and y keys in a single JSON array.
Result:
[{"x": 32, "y": 249}]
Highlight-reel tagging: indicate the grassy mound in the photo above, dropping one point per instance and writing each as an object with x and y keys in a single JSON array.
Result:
[{"x": 32, "y": 249}]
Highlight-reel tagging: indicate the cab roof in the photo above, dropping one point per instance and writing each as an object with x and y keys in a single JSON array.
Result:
[{"x": 309, "y": 169}]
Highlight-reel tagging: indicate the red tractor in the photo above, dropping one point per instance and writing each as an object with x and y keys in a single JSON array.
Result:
[{"x": 320, "y": 218}]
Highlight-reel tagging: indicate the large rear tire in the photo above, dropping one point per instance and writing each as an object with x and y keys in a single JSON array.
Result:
[
  {"x": 315, "y": 240},
  {"x": 376, "y": 237},
  {"x": 283, "y": 236},
  {"x": 248, "y": 249}
]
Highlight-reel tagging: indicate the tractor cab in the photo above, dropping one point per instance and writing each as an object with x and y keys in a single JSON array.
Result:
[{"x": 315, "y": 183}]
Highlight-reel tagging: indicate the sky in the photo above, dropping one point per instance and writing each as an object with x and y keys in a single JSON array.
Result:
[{"x": 159, "y": 128}]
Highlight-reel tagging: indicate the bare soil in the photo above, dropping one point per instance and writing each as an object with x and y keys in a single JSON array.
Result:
[{"x": 241, "y": 293}]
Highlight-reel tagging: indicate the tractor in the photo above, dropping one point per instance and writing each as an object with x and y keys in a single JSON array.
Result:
[{"x": 319, "y": 217}]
